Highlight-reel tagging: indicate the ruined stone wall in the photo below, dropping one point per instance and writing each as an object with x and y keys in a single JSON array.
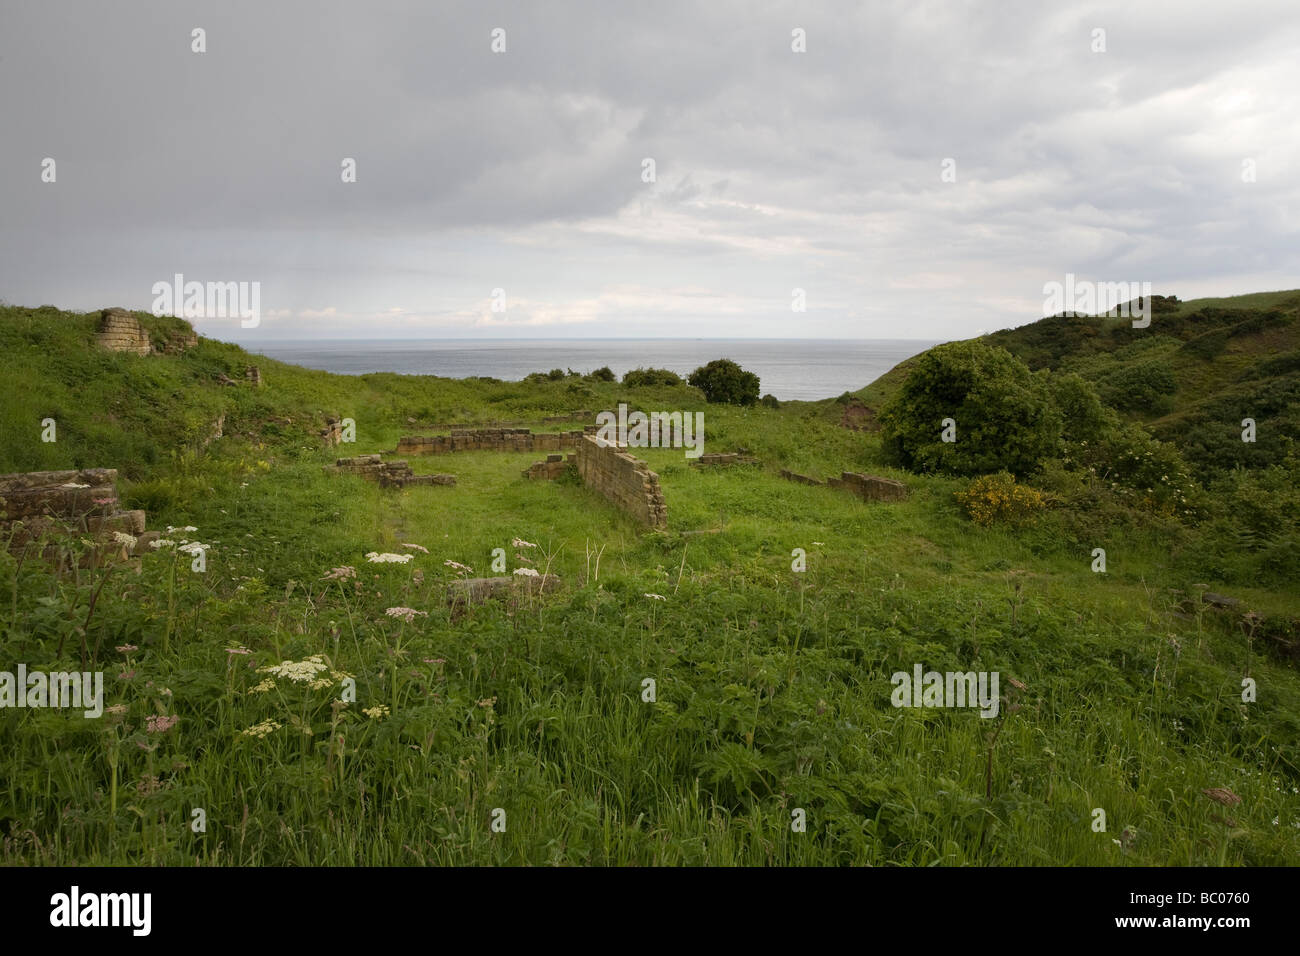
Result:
[
  {"x": 120, "y": 331},
  {"x": 389, "y": 474},
  {"x": 625, "y": 481},
  {"x": 65, "y": 502},
  {"x": 724, "y": 459},
  {"x": 866, "y": 487},
  {"x": 551, "y": 469},
  {"x": 870, "y": 487},
  {"x": 488, "y": 439}
]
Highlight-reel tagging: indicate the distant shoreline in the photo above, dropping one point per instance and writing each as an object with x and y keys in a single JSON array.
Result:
[{"x": 789, "y": 369}]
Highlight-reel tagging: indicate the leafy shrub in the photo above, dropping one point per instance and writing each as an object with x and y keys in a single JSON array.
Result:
[
  {"x": 1139, "y": 387},
  {"x": 603, "y": 374},
  {"x": 769, "y": 401},
  {"x": 1207, "y": 346},
  {"x": 1147, "y": 473},
  {"x": 1005, "y": 414},
  {"x": 641, "y": 377},
  {"x": 723, "y": 381},
  {"x": 998, "y": 499},
  {"x": 1084, "y": 418}
]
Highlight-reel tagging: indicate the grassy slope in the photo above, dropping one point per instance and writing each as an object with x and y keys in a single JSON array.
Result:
[
  {"x": 772, "y": 687},
  {"x": 1225, "y": 359}
]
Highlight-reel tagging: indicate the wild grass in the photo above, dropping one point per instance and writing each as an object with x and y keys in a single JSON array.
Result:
[{"x": 772, "y": 687}]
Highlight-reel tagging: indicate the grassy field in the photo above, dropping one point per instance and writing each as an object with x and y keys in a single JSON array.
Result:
[{"x": 771, "y": 686}]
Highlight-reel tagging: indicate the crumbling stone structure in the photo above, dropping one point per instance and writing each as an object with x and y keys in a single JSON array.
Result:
[
  {"x": 870, "y": 487},
  {"x": 389, "y": 474},
  {"x": 120, "y": 331},
  {"x": 724, "y": 459},
  {"x": 551, "y": 469},
  {"x": 332, "y": 433},
  {"x": 39, "y": 504},
  {"x": 789, "y": 475},
  {"x": 625, "y": 481},
  {"x": 489, "y": 439},
  {"x": 866, "y": 487}
]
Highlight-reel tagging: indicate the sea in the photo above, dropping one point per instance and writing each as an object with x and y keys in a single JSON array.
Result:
[{"x": 790, "y": 369}]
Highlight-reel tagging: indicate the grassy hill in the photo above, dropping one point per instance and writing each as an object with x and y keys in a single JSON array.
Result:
[
  {"x": 772, "y": 686},
  {"x": 1192, "y": 376}
]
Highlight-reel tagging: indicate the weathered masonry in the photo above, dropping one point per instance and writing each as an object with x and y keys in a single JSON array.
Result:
[
  {"x": 625, "y": 481},
  {"x": 38, "y": 504},
  {"x": 489, "y": 439},
  {"x": 866, "y": 487},
  {"x": 389, "y": 474},
  {"x": 551, "y": 469},
  {"x": 120, "y": 331}
]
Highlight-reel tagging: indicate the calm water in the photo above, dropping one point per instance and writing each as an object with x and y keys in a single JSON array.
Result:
[{"x": 801, "y": 369}]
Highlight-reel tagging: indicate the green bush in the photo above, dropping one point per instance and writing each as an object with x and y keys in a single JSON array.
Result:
[
  {"x": 642, "y": 377},
  {"x": 603, "y": 374},
  {"x": 1084, "y": 418},
  {"x": 723, "y": 381},
  {"x": 1139, "y": 387},
  {"x": 1005, "y": 415}
]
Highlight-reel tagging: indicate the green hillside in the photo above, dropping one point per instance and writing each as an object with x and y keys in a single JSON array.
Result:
[
  {"x": 1122, "y": 690},
  {"x": 1192, "y": 376}
]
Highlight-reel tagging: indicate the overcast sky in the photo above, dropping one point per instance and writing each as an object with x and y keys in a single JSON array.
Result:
[{"x": 522, "y": 170}]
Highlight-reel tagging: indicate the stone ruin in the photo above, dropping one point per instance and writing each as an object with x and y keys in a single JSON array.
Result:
[
  {"x": 120, "y": 331},
  {"x": 388, "y": 474},
  {"x": 552, "y": 468},
  {"x": 332, "y": 433},
  {"x": 724, "y": 460},
  {"x": 490, "y": 439},
  {"x": 40, "y": 505},
  {"x": 866, "y": 487},
  {"x": 623, "y": 480}
]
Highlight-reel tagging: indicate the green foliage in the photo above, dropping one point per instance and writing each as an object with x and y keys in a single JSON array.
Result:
[
  {"x": 1084, "y": 418},
  {"x": 1005, "y": 415},
  {"x": 1143, "y": 386},
  {"x": 724, "y": 382},
  {"x": 769, "y": 401},
  {"x": 643, "y": 377},
  {"x": 603, "y": 374}
]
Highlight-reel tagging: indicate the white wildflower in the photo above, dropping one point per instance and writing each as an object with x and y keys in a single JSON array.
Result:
[
  {"x": 405, "y": 613},
  {"x": 386, "y": 558}
]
